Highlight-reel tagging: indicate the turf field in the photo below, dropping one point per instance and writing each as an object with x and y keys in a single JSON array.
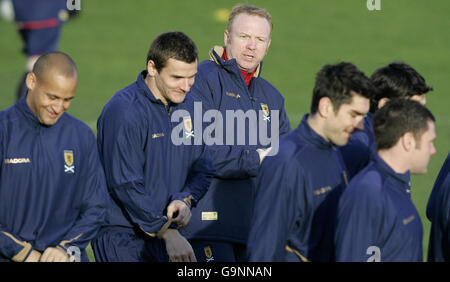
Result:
[{"x": 110, "y": 39}]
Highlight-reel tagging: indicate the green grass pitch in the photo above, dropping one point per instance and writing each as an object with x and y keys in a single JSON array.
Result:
[{"x": 109, "y": 42}]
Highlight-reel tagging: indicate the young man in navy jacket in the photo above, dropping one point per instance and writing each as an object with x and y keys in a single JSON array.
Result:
[
  {"x": 377, "y": 220},
  {"x": 231, "y": 83},
  {"x": 298, "y": 188},
  {"x": 154, "y": 180},
  {"x": 396, "y": 80},
  {"x": 438, "y": 212},
  {"x": 52, "y": 184}
]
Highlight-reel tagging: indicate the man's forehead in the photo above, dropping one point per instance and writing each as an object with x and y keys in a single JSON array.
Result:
[
  {"x": 176, "y": 66},
  {"x": 244, "y": 22},
  {"x": 358, "y": 103}
]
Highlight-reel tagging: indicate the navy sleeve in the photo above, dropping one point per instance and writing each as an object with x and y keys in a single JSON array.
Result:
[
  {"x": 360, "y": 214},
  {"x": 285, "y": 124},
  {"x": 236, "y": 162},
  {"x": 275, "y": 210},
  {"x": 11, "y": 246},
  {"x": 198, "y": 181},
  {"x": 92, "y": 205},
  {"x": 121, "y": 145},
  {"x": 438, "y": 212}
]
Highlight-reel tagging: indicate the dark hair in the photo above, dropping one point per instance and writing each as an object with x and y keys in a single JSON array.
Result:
[
  {"x": 175, "y": 45},
  {"x": 397, "y": 80},
  {"x": 398, "y": 117},
  {"x": 337, "y": 83},
  {"x": 58, "y": 61}
]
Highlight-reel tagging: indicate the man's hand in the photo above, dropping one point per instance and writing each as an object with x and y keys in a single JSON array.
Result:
[
  {"x": 181, "y": 211},
  {"x": 34, "y": 256},
  {"x": 178, "y": 248},
  {"x": 263, "y": 153},
  {"x": 52, "y": 254}
]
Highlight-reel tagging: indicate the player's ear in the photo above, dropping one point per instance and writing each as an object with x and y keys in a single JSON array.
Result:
[
  {"x": 31, "y": 80},
  {"x": 325, "y": 107},
  {"x": 151, "y": 68},
  {"x": 408, "y": 141},
  {"x": 382, "y": 102},
  {"x": 226, "y": 37}
]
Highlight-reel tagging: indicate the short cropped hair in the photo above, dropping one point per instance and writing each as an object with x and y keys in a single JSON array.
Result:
[
  {"x": 397, "y": 117},
  {"x": 58, "y": 61},
  {"x": 250, "y": 10},
  {"x": 337, "y": 82},
  {"x": 397, "y": 80},
  {"x": 175, "y": 45}
]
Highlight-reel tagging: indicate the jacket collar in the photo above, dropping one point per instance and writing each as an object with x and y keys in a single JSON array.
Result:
[
  {"x": 25, "y": 110},
  {"x": 230, "y": 65},
  {"x": 144, "y": 88},
  {"x": 399, "y": 180},
  {"x": 308, "y": 134},
  {"x": 140, "y": 81}
]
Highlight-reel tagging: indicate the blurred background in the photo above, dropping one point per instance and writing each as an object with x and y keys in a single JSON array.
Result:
[{"x": 109, "y": 41}]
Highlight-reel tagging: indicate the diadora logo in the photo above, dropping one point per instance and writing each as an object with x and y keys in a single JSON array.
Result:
[
  {"x": 68, "y": 162},
  {"x": 322, "y": 190},
  {"x": 237, "y": 96},
  {"x": 408, "y": 219},
  {"x": 17, "y": 161}
]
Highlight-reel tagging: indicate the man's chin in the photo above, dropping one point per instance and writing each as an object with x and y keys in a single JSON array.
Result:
[
  {"x": 50, "y": 121},
  {"x": 177, "y": 99}
]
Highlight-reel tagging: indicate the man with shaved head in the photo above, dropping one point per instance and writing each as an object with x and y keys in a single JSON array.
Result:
[{"x": 52, "y": 185}]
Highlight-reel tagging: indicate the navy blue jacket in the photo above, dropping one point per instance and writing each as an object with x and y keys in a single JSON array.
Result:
[
  {"x": 225, "y": 211},
  {"x": 377, "y": 220},
  {"x": 52, "y": 185},
  {"x": 144, "y": 169},
  {"x": 359, "y": 149},
  {"x": 438, "y": 212},
  {"x": 292, "y": 188}
]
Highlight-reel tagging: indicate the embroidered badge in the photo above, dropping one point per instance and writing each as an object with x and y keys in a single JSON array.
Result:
[
  {"x": 188, "y": 127},
  {"x": 68, "y": 162},
  {"x": 266, "y": 112}
]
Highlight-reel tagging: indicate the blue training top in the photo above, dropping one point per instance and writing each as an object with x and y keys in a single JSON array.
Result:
[
  {"x": 52, "y": 185},
  {"x": 377, "y": 220}
]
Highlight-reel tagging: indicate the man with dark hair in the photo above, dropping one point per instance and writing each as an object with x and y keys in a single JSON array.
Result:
[
  {"x": 52, "y": 185},
  {"x": 438, "y": 212},
  {"x": 396, "y": 80},
  {"x": 231, "y": 82},
  {"x": 301, "y": 184},
  {"x": 153, "y": 183},
  {"x": 376, "y": 219}
]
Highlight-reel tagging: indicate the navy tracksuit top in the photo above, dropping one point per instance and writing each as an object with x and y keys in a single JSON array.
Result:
[
  {"x": 294, "y": 189},
  {"x": 225, "y": 211},
  {"x": 52, "y": 184},
  {"x": 438, "y": 212},
  {"x": 377, "y": 220},
  {"x": 144, "y": 169}
]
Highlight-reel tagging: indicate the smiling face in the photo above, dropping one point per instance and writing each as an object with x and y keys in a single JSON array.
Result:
[
  {"x": 50, "y": 96},
  {"x": 172, "y": 83},
  {"x": 340, "y": 125},
  {"x": 248, "y": 40}
]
